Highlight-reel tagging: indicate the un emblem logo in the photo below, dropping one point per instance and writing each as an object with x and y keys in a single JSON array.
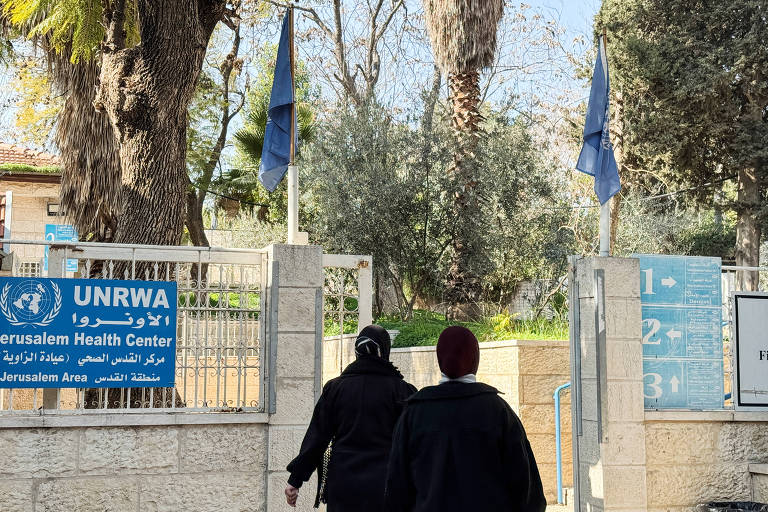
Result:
[{"x": 30, "y": 302}]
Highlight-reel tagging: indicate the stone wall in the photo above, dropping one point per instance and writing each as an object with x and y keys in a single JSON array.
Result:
[
  {"x": 612, "y": 468},
  {"x": 699, "y": 457},
  {"x": 526, "y": 372},
  {"x": 134, "y": 469},
  {"x": 759, "y": 474},
  {"x": 297, "y": 365}
]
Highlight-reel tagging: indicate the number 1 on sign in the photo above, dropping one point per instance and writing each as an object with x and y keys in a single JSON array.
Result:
[{"x": 648, "y": 282}]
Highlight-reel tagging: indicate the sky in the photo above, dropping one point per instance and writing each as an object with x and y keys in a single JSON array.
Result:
[{"x": 574, "y": 15}]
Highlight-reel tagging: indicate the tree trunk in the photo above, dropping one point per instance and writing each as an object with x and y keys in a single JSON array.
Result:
[
  {"x": 748, "y": 227},
  {"x": 196, "y": 228},
  {"x": 195, "y": 224},
  {"x": 615, "y": 209},
  {"x": 463, "y": 286},
  {"x": 146, "y": 90},
  {"x": 196, "y": 198},
  {"x": 618, "y": 153}
]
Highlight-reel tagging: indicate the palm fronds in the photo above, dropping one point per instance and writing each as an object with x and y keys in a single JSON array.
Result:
[
  {"x": 250, "y": 139},
  {"x": 463, "y": 32},
  {"x": 70, "y": 26}
]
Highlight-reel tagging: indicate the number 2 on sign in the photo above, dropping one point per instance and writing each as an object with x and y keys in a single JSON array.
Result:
[
  {"x": 654, "y": 385},
  {"x": 655, "y": 325},
  {"x": 648, "y": 282}
]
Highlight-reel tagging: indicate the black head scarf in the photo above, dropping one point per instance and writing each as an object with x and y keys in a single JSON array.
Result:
[{"x": 373, "y": 340}]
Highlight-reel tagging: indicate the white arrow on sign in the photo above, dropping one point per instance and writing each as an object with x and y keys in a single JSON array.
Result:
[
  {"x": 669, "y": 282},
  {"x": 674, "y": 334},
  {"x": 675, "y": 384}
]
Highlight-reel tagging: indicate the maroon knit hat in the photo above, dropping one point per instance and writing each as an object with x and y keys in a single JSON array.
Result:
[{"x": 458, "y": 352}]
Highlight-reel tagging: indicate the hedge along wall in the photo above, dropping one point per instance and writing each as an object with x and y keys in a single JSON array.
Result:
[{"x": 526, "y": 372}]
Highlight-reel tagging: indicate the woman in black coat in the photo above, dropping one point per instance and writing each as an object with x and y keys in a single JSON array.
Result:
[
  {"x": 458, "y": 446},
  {"x": 356, "y": 415}
]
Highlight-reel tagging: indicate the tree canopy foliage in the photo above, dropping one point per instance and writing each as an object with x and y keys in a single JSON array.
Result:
[
  {"x": 374, "y": 190},
  {"x": 691, "y": 82},
  {"x": 136, "y": 63}
]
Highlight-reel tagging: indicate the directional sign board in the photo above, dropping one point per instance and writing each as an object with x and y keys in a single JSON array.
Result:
[
  {"x": 681, "y": 302},
  {"x": 60, "y": 233},
  {"x": 79, "y": 333}
]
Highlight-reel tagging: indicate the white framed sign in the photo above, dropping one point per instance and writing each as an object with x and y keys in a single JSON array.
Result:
[{"x": 750, "y": 350}]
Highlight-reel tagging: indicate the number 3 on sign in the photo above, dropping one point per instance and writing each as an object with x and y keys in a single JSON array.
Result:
[
  {"x": 655, "y": 325},
  {"x": 653, "y": 385}
]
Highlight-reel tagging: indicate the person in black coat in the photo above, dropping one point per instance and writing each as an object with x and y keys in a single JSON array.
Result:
[
  {"x": 458, "y": 446},
  {"x": 356, "y": 415}
]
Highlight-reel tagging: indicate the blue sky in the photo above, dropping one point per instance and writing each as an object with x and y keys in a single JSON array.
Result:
[{"x": 576, "y": 15}]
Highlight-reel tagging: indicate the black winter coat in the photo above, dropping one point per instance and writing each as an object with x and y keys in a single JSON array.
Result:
[
  {"x": 460, "y": 447},
  {"x": 357, "y": 412}
]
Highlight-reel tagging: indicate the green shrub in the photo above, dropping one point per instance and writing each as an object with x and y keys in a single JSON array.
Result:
[
  {"x": 426, "y": 326},
  {"x": 331, "y": 327},
  {"x": 23, "y": 168},
  {"x": 251, "y": 302}
]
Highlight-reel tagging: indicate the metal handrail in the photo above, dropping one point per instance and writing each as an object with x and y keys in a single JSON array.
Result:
[
  {"x": 742, "y": 267},
  {"x": 559, "y": 442},
  {"x": 66, "y": 243}
]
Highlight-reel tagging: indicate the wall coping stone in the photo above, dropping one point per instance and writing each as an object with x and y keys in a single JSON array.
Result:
[
  {"x": 705, "y": 416},
  {"x": 758, "y": 469},
  {"x": 123, "y": 419},
  {"x": 483, "y": 344},
  {"x": 495, "y": 344}
]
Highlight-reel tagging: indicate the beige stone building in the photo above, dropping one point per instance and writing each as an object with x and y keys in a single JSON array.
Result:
[{"x": 29, "y": 199}]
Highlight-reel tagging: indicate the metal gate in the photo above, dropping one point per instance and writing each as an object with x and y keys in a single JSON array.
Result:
[{"x": 220, "y": 327}]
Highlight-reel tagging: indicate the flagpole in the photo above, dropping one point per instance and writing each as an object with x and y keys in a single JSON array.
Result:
[
  {"x": 293, "y": 172},
  {"x": 605, "y": 209}
]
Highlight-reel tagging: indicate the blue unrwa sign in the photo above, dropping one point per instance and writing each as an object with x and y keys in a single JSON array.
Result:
[
  {"x": 76, "y": 333},
  {"x": 682, "y": 332}
]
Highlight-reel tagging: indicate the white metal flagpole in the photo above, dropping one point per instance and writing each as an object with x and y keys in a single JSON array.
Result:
[
  {"x": 293, "y": 171},
  {"x": 293, "y": 204}
]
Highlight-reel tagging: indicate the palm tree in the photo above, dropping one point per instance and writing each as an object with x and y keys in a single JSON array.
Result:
[
  {"x": 89, "y": 153},
  {"x": 250, "y": 139},
  {"x": 463, "y": 37},
  {"x": 243, "y": 184},
  {"x": 90, "y": 160}
]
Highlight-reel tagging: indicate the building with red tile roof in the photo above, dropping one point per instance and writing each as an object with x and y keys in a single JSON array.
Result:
[
  {"x": 30, "y": 182},
  {"x": 13, "y": 154}
]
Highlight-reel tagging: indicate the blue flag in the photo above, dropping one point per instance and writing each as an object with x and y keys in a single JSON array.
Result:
[
  {"x": 596, "y": 156},
  {"x": 276, "y": 153}
]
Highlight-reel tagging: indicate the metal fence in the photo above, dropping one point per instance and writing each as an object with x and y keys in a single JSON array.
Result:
[
  {"x": 347, "y": 296},
  {"x": 220, "y": 332},
  {"x": 730, "y": 284}
]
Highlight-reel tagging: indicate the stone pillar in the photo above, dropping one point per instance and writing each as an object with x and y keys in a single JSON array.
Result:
[
  {"x": 295, "y": 279},
  {"x": 611, "y": 447}
]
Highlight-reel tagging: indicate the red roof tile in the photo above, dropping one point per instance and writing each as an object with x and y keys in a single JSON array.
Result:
[{"x": 13, "y": 154}]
